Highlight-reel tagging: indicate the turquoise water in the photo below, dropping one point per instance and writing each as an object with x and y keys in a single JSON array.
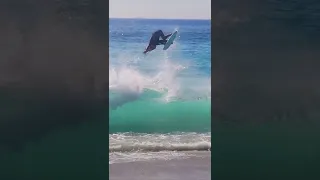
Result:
[
  {"x": 172, "y": 87},
  {"x": 163, "y": 92}
]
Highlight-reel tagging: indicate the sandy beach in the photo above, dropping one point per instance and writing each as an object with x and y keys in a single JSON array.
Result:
[{"x": 191, "y": 168}]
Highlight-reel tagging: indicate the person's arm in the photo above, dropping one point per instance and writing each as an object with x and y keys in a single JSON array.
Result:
[{"x": 165, "y": 37}]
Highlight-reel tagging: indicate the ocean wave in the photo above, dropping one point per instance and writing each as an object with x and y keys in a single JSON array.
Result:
[
  {"x": 155, "y": 147},
  {"x": 152, "y": 117},
  {"x": 158, "y": 96},
  {"x": 142, "y": 142}
]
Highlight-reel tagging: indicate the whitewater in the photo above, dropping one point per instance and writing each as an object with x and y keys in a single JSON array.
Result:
[{"x": 159, "y": 103}]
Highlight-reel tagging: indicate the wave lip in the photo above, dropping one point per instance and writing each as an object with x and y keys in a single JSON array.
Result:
[
  {"x": 137, "y": 142},
  {"x": 155, "y": 147}
]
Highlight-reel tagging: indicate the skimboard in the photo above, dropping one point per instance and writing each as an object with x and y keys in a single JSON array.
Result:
[{"x": 170, "y": 40}]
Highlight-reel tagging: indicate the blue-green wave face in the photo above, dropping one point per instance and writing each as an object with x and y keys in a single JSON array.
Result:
[
  {"x": 159, "y": 96},
  {"x": 148, "y": 114}
]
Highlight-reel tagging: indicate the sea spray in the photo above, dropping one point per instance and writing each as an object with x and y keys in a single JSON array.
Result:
[{"x": 143, "y": 103}]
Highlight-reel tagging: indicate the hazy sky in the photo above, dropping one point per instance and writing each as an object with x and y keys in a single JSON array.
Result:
[{"x": 160, "y": 9}]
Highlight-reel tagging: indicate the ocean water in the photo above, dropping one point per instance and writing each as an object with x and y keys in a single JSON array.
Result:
[{"x": 160, "y": 102}]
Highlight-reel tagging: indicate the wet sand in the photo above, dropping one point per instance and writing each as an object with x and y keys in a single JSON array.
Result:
[{"x": 193, "y": 168}]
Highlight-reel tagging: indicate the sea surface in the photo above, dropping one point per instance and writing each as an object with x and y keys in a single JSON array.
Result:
[{"x": 160, "y": 102}]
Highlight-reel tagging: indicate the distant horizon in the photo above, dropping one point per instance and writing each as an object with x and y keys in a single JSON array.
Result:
[{"x": 156, "y": 18}]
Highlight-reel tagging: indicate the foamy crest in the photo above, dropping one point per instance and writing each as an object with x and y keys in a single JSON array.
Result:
[
  {"x": 128, "y": 80},
  {"x": 155, "y": 147},
  {"x": 128, "y": 147},
  {"x": 159, "y": 142}
]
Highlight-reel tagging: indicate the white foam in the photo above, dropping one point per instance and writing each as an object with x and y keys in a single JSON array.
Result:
[
  {"x": 159, "y": 142},
  {"x": 155, "y": 147},
  {"x": 131, "y": 77},
  {"x": 145, "y": 156},
  {"x": 127, "y": 147}
]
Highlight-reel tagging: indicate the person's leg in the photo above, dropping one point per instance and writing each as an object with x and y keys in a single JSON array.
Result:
[
  {"x": 160, "y": 33},
  {"x": 157, "y": 35},
  {"x": 162, "y": 42}
]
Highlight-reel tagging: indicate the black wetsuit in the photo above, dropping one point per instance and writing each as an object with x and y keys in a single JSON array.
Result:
[{"x": 155, "y": 39}]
